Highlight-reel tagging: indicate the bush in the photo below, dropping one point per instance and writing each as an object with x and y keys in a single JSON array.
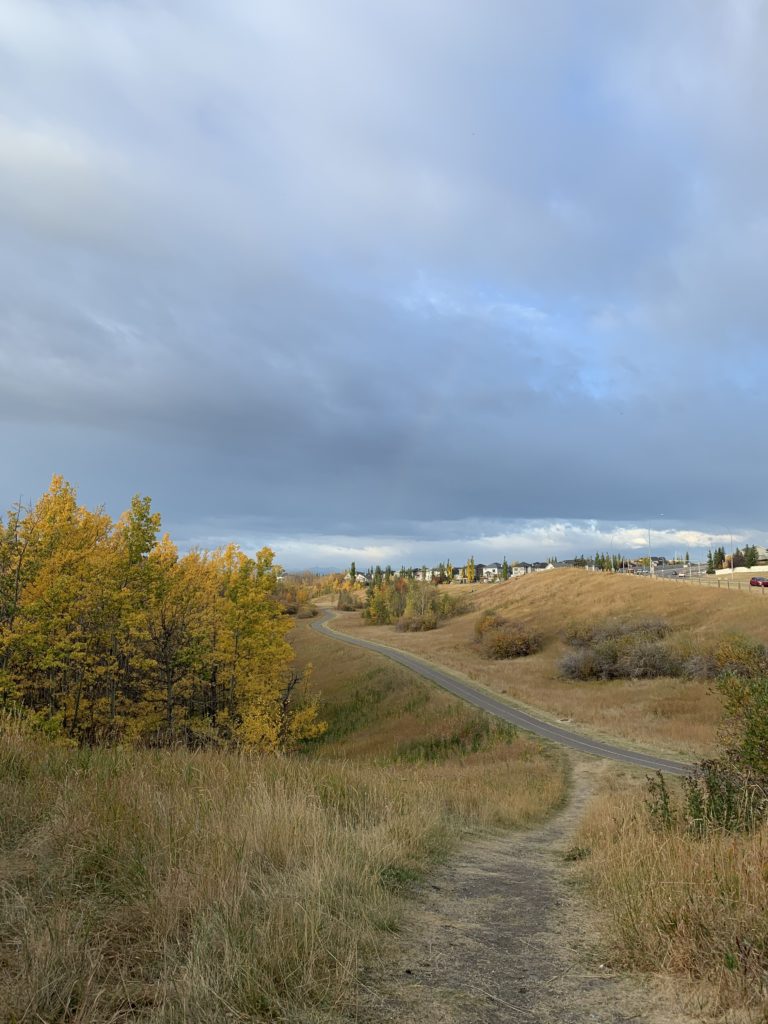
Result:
[
  {"x": 582, "y": 634},
  {"x": 647, "y": 659},
  {"x": 307, "y": 611},
  {"x": 620, "y": 649},
  {"x": 582, "y": 665},
  {"x": 449, "y": 605},
  {"x": 487, "y": 621},
  {"x": 418, "y": 623},
  {"x": 732, "y": 655},
  {"x": 348, "y": 601},
  {"x": 510, "y": 640}
]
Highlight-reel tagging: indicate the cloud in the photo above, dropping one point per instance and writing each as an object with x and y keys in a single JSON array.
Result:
[{"x": 327, "y": 273}]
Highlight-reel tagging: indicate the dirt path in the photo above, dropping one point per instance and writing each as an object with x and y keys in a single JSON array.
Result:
[{"x": 502, "y": 934}]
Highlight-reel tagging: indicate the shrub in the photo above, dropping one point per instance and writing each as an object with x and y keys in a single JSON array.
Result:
[
  {"x": 418, "y": 623},
  {"x": 449, "y": 605},
  {"x": 487, "y": 621},
  {"x": 746, "y": 727},
  {"x": 719, "y": 795},
  {"x": 582, "y": 665},
  {"x": 732, "y": 655},
  {"x": 307, "y": 611},
  {"x": 581, "y": 634},
  {"x": 647, "y": 659},
  {"x": 510, "y": 640},
  {"x": 620, "y": 649}
]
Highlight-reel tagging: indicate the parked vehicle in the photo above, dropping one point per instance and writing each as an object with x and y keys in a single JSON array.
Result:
[{"x": 759, "y": 581}]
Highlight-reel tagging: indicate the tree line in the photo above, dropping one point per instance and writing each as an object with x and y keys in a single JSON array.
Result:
[
  {"x": 746, "y": 557},
  {"x": 108, "y": 634}
]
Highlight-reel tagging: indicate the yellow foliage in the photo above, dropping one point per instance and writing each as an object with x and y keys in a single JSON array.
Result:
[{"x": 110, "y": 634}]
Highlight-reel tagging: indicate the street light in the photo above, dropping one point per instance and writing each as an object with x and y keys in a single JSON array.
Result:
[{"x": 650, "y": 566}]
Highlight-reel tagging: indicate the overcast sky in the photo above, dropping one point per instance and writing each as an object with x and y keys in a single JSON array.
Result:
[{"x": 388, "y": 280}]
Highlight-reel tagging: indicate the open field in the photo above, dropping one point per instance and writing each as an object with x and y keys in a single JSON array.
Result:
[
  {"x": 176, "y": 886},
  {"x": 671, "y": 715}
]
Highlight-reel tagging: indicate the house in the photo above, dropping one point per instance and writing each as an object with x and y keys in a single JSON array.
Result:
[
  {"x": 362, "y": 577},
  {"x": 491, "y": 572}
]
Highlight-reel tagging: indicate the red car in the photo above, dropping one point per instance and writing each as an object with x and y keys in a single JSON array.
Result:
[{"x": 759, "y": 581}]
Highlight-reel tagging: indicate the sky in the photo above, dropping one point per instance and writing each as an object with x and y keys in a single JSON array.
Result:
[{"x": 389, "y": 281}]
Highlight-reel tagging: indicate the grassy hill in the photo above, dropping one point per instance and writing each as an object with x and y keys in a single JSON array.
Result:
[
  {"x": 674, "y": 715},
  {"x": 177, "y": 886}
]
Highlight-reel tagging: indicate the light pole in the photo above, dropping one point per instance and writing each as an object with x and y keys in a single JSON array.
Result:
[{"x": 650, "y": 566}]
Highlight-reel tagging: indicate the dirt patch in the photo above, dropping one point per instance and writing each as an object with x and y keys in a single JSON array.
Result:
[{"x": 503, "y": 933}]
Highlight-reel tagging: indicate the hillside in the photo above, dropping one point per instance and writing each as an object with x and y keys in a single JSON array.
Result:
[{"x": 673, "y": 715}]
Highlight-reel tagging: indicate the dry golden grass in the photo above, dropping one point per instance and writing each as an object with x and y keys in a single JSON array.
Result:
[
  {"x": 374, "y": 708},
  {"x": 175, "y": 886},
  {"x": 673, "y": 715},
  {"x": 677, "y": 904}
]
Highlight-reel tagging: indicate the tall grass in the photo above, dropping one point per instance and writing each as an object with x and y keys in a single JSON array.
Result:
[
  {"x": 176, "y": 886},
  {"x": 676, "y": 903}
]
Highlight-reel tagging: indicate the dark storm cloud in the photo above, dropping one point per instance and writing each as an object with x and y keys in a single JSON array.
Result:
[{"x": 305, "y": 272}]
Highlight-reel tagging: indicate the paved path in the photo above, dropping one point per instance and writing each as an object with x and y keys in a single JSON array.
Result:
[{"x": 501, "y": 709}]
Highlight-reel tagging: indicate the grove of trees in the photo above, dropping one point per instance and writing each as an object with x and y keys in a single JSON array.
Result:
[{"x": 108, "y": 634}]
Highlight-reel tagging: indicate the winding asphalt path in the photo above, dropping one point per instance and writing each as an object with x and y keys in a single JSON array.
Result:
[{"x": 486, "y": 702}]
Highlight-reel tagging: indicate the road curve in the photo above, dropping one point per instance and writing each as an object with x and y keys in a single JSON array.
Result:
[{"x": 501, "y": 709}]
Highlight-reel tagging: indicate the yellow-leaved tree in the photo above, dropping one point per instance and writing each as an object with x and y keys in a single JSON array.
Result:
[{"x": 108, "y": 635}]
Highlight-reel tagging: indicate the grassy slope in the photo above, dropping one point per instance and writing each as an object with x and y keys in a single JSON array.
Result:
[
  {"x": 670, "y": 714},
  {"x": 177, "y": 886},
  {"x": 683, "y": 905}
]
